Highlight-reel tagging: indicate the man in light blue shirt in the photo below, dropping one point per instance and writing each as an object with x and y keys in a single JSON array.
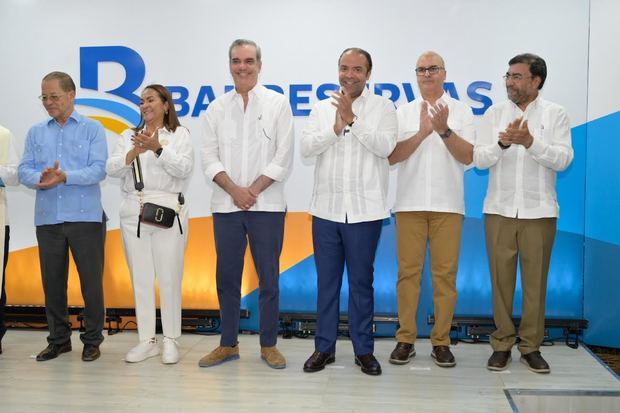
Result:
[{"x": 64, "y": 161}]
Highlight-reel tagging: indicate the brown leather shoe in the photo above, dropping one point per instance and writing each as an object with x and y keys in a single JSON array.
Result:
[
  {"x": 499, "y": 360},
  {"x": 443, "y": 356},
  {"x": 220, "y": 355},
  {"x": 273, "y": 357},
  {"x": 402, "y": 353},
  {"x": 369, "y": 364},
  {"x": 535, "y": 362},
  {"x": 318, "y": 361}
]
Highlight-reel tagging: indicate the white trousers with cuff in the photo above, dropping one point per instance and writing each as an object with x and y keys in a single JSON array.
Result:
[{"x": 159, "y": 252}]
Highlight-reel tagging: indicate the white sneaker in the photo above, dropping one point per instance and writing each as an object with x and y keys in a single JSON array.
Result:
[
  {"x": 142, "y": 351},
  {"x": 170, "y": 354}
]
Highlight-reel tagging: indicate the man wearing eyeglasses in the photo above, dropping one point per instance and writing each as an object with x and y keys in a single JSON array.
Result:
[
  {"x": 436, "y": 137},
  {"x": 64, "y": 161},
  {"x": 248, "y": 155},
  {"x": 8, "y": 176},
  {"x": 524, "y": 142},
  {"x": 351, "y": 135}
]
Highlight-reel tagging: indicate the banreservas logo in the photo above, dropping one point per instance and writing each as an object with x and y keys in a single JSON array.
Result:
[{"x": 300, "y": 95}]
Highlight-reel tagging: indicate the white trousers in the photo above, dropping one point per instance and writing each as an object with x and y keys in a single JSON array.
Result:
[{"x": 159, "y": 252}]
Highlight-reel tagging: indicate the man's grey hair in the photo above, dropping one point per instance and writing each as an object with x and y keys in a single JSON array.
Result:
[
  {"x": 244, "y": 42},
  {"x": 64, "y": 80}
]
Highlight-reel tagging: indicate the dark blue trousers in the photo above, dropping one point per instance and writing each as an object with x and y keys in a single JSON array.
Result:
[
  {"x": 264, "y": 231},
  {"x": 337, "y": 244}
]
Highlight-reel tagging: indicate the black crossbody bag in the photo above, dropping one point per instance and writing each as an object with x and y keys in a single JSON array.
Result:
[{"x": 150, "y": 213}]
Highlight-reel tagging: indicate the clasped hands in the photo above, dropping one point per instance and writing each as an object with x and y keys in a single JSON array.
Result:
[
  {"x": 516, "y": 132},
  {"x": 143, "y": 142},
  {"x": 433, "y": 119},
  {"x": 51, "y": 176},
  {"x": 344, "y": 110},
  {"x": 244, "y": 197}
]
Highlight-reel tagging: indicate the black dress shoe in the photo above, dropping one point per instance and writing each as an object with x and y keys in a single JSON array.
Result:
[
  {"x": 443, "y": 356},
  {"x": 318, "y": 361},
  {"x": 54, "y": 350},
  {"x": 369, "y": 364},
  {"x": 90, "y": 352},
  {"x": 499, "y": 360},
  {"x": 402, "y": 353},
  {"x": 535, "y": 362}
]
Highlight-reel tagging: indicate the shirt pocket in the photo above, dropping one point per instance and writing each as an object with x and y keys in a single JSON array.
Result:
[
  {"x": 41, "y": 157},
  {"x": 77, "y": 151},
  {"x": 229, "y": 136},
  {"x": 266, "y": 130}
]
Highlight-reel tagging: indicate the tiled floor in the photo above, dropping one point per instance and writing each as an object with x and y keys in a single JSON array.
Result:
[{"x": 67, "y": 384}]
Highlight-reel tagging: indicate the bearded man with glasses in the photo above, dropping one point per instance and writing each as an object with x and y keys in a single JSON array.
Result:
[{"x": 524, "y": 142}]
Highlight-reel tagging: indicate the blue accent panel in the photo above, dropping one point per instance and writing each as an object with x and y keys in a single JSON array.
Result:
[
  {"x": 602, "y": 293},
  {"x": 603, "y": 179},
  {"x": 119, "y": 109},
  {"x": 602, "y": 231},
  {"x": 298, "y": 287},
  {"x": 571, "y": 186},
  {"x": 475, "y": 182}
]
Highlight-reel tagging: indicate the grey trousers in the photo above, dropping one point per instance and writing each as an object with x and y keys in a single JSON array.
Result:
[{"x": 86, "y": 242}]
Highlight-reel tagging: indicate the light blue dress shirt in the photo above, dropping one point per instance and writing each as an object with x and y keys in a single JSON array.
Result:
[{"x": 81, "y": 149}]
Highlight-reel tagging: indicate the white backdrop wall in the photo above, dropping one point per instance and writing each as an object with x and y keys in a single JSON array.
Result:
[{"x": 185, "y": 43}]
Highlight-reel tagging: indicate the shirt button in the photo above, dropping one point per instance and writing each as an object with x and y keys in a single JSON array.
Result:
[
  {"x": 59, "y": 196},
  {"x": 81, "y": 210}
]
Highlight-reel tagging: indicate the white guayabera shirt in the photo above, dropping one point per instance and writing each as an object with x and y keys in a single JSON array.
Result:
[
  {"x": 522, "y": 181},
  {"x": 431, "y": 179},
  {"x": 247, "y": 144},
  {"x": 352, "y": 170}
]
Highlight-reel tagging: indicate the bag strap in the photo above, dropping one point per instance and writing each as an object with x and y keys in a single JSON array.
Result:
[
  {"x": 136, "y": 168},
  {"x": 138, "y": 183},
  {"x": 181, "y": 200}
]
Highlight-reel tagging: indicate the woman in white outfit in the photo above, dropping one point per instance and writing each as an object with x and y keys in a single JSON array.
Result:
[{"x": 166, "y": 158}]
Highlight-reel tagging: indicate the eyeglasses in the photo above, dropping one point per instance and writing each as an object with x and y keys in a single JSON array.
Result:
[
  {"x": 515, "y": 76},
  {"x": 431, "y": 70},
  {"x": 51, "y": 98}
]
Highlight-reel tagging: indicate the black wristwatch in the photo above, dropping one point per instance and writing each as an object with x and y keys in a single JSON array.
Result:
[
  {"x": 159, "y": 151},
  {"x": 501, "y": 145},
  {"x": 446, "y": 134}
]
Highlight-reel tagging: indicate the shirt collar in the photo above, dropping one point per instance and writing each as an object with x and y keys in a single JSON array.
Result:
[
  {"x": 256, "y": 91},
  {"x": 365, "y": 93},
  {"x": 531, "y": 106},
  {"x": 74, "y": 115},
  {"x": 444, "y": 98}
]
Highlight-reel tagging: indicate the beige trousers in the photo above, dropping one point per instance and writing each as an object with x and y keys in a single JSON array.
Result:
[
  {"x": 530, "y": 241},
  {"x": 442, "y": 232}
]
